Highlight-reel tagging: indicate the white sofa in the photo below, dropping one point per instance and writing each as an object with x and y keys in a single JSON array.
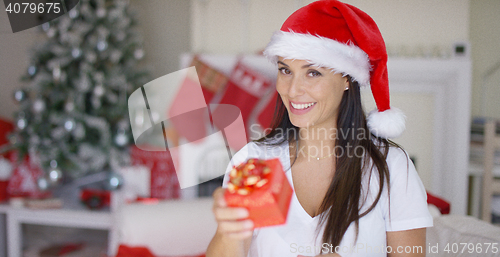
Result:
[
  {"x": 176, "y": 228},
  {"x": 167, "y": 228}
]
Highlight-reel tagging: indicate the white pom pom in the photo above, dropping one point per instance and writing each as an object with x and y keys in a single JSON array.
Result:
[{"x": 387, "y": 124}]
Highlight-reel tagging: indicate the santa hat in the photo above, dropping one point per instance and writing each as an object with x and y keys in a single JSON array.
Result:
[{"x": 335, "y": 35}]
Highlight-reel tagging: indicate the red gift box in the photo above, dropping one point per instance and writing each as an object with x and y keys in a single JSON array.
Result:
[{"x": 261, "y": 187}]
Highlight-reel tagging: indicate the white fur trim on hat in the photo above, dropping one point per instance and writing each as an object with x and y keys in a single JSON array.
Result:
[
  {"x": 387, "y": 124},
  {"x": 325, "y": 52}
]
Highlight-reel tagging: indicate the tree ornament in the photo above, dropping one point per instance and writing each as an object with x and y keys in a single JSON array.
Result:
[
  {"x": 21, "y": 122},
  {"x": 69, "y": 125},
  {"x": 73, "y": 13},
  {"x": 69, "y": 106},
  {"x": 20, "y": 95},
  {"x": 38, "y": 106},
  {"x": 56, "y": 73},
  {"x": 139, "y": 53},
  {"x": 102, "y": 45},
  {"x": 99, "y": 91},
  {"x": 51, "y": 32},
  {"x": 115, "y": 181},
  {"x": 42, "y": 183},
  {"x": 32, "y": 70},
  {"x": 121, "y": 139},
  {"x": 101, "y": 12},
  {"x": 14, "y": 139},
  {"x": 46, "y": 26},
  {"x": 55, "y": 176},
  {"x": 76, "y": 52}
]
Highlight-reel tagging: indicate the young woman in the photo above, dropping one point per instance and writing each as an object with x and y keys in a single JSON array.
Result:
[{"x": 355, "y": 192}]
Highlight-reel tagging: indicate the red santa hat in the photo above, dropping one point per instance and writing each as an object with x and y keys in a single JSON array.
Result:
[{"x": 335, "y": 35}]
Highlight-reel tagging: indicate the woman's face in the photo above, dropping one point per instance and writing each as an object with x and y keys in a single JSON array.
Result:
[{"x": 310, "y": 93}]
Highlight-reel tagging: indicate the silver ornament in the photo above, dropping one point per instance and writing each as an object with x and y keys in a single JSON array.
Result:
[
  {"x": 121, "y": 139},
  {"x": 101, "y": 12},
  {"x": 32, "y": 70},
  {"x": 51, "y": 32},
  {"x": 102, "y": 45},
  {"x": 69, "y": 106},
  {"x": 55, "y": 176},
  {"x": 73, "y": 13},
  {"x": 46, "y": 26},
  {"x": 76, "y": 52},
  {"x": 138, "y": 53},
  {"x": 38, "y": 106},
  {"x": 99, "y": 91},
  {"x": 69, "y": 125},
  {"x": 42, "y": 183},
  {"x": 20, "y": 95},
  {"x": 21, "y": 123},
  {"x": 115, "y": 181},
  {"x": 56, "y": 73}
]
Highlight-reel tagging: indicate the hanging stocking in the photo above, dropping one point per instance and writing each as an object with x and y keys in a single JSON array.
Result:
[{"x": 244, "y": 89}]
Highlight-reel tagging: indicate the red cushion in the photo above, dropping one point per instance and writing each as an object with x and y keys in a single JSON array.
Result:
[
  {"x": 126, "y": 251},
  {"x": 442, "y": 205}
]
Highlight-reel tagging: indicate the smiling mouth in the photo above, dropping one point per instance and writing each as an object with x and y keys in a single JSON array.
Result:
[{"x": 302, "y": 106}]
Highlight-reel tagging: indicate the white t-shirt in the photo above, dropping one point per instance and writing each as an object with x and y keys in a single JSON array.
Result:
[{"x": 298, "y": 236}]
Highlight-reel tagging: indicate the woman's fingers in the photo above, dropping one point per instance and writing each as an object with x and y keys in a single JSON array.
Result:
[
  {"x": 232, "y": 222},
  {"x": 230, "y": 213},
  {"x": 236, "y": 229},
  {"x": 235, "y": 226},
  {"x": 218, "y": 196}
]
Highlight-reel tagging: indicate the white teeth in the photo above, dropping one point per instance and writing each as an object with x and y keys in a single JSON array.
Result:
[{"x": 302, "y": 106}]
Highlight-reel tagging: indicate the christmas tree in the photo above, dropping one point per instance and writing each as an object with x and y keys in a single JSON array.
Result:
[{"x": 73, "y": 111}]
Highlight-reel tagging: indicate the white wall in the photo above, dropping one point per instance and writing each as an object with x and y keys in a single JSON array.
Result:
[
  {"x": 221, "y": 26},
  {"x": 485, "y": 44},
  {"x": 165, "y": 26},
  {"x": 14, "y": 61}
]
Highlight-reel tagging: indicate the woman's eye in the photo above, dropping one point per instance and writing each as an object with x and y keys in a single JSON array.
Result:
[
  {"x": 284, "y": 70},
  {"x": 314, "y": 73}
]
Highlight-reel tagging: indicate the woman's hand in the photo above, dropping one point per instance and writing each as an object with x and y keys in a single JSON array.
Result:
[{"x": 232, "y": 222}]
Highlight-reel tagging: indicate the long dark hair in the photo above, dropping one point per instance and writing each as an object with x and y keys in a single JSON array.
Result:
[{"x": 341, "y": 207}]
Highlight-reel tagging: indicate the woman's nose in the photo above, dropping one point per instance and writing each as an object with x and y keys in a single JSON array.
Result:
[{"x": 295, "y": 87}]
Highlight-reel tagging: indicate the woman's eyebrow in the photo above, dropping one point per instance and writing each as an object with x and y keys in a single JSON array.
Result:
[
  {"x": 303, "y": 67},
  {"x": 282, "y": 63}
]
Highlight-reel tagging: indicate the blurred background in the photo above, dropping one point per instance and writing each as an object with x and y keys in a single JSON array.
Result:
[{"x": 444, "y": 67}]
